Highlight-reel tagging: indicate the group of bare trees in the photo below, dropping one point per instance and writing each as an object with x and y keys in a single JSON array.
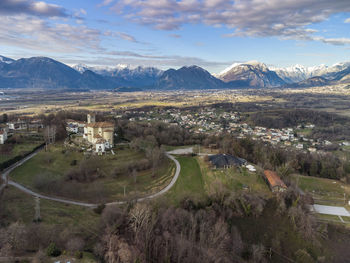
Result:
[{"x": 219, "y": 229}]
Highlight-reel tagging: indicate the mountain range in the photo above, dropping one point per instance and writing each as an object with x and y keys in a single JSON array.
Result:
[{"x": 47, "y": 73}]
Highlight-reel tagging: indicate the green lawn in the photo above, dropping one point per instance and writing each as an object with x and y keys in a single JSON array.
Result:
[
  {"x": 233, "y": 178},
  {"x": 52, "y": 166},
  {"x": 322, "y": 186},
  {"x": 18, "y": 149},
  {"x": 19, "y": 206},
  {"x": 324, "y": 190},
  {"x": 190, "y": 182}
]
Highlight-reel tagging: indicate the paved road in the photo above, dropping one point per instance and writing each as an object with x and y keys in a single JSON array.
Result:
[
  {"x": 188, "y": 150},
  {"x": 6, "y": 173}
]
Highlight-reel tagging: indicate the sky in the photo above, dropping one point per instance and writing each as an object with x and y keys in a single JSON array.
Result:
[{"x": 212, "y": 34}]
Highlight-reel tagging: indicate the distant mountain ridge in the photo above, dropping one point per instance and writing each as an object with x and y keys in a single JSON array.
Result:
[
  {"x": 192, "y": 77},
  {"x": 47, "y": 73},
  {"x": 253, "y": 73},
  {"x": 299, "y": 73}
]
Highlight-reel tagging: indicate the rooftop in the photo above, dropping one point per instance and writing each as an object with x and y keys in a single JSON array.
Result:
[
  {"x": 101, "y": 125},
  {"x": 222, "y": 160},
  {"x": 274, "y": 179}
]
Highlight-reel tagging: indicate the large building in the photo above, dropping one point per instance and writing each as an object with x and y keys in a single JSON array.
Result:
[{"x": 99, "y": 134}]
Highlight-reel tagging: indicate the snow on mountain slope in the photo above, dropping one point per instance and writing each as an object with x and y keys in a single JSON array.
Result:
[
  {"x": 299, "y": 73},
  {"x": 253, "y": 73},
  {"x": 6, "y": 60}
]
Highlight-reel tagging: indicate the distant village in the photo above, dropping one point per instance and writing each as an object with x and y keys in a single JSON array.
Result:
[
  {"x": 207, "y": 120},
  {"x": 213, "y": 121}
]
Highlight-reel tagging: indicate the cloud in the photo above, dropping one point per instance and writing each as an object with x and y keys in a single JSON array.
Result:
[
  {"x": 36, "y": 8},
  {"x": 35, "y": 33},
  {"x": 105, "y": 3},
  {"x": 347, "y": 20},
  {"x": 334, "y": 41},
  {"x": 123, "y": 36},
  {"x": 175, "y": 35},
  {"x": 163, "y": 61},
  {"x": 127, "y": 37},
  {"x": 288, "y": 19}
]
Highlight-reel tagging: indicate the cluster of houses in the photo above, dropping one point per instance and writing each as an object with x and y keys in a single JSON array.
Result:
[
  {"x": 212, "y": 121},
  {"x": 100, "y": 135},
  {"x": 19, "y": 124}
]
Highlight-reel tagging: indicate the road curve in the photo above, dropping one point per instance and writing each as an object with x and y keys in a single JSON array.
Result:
[{"x": 6, "y": 173}]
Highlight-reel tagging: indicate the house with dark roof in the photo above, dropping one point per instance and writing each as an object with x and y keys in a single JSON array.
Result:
[
  {"x": 274, "y": 181},
  {"x": 224, "y": 161}
]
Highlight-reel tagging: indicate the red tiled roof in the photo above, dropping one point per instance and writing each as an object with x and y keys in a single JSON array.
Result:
[
  {"x": 100, "y": 125},
  {"x": 274, "y": 179}
]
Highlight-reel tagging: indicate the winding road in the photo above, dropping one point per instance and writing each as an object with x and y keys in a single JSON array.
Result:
[{"x": 5, "y": 177}]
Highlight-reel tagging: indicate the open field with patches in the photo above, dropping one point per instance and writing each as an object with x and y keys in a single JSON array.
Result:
[
  {"x": 235, "y": 179},
  {"x": 330, "y": 98},
  {"x": 324, "y": 191},
  {"x": 197, "y": 180},
  {"x": 47, "y": 173},
  {"x": 25, "y": 102},
  {"x": 21, "y": 207}
]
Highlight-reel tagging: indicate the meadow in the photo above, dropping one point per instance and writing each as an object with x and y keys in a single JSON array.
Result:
[{"x": 47, "y": 173}]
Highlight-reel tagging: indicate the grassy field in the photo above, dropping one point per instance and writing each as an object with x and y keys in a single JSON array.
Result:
[
  {"x": 234, "y": 178},
  {"x": 324, "y": 191},
  {"x": 52, "y": 166},
  {"x": 25, "y": 144},
  {"x": 344, "y": 220},
  {"x": 190, "y": 182},
  {"x": 19, "y": 207}
]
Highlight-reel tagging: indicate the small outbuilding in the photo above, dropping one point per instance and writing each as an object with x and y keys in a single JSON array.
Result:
[
  {"x": 224, "y": 161},
  {"x": 274, "y": 181}
]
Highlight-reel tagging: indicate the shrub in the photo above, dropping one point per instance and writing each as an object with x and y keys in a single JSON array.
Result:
[
  {"x": 52, "y": 250},
  {"x": 78, "y": 254}
]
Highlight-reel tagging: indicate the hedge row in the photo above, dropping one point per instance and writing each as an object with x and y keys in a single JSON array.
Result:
[{"x": 17, "y": 158}]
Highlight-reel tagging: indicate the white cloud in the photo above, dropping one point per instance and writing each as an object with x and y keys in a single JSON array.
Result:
[
  {"x": 105, "y": 3},
  {"x": 347, "y": 20},
  {"x": 35, "y": 33},
  {"x": 288, "y": 19},
  {"x": 36, "y": 8},
  {"x": 136, "y": 59},
  {"x": 334, "y": 41}
]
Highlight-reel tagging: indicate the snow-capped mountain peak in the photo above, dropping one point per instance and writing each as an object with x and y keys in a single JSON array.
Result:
[
  {"x": 81, "y": 68},
  {"x": 6, "y": 60}
]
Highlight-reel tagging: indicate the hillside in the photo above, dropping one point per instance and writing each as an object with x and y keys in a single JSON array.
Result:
[
  {"x": 192, "y": 77},
  {"x": 47, "y": 73},
  {"x": 253, "y": 74}
]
